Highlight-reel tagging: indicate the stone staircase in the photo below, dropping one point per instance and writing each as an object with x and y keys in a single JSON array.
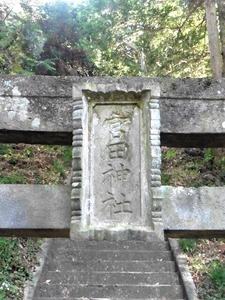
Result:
[{"x": 113, "y": 270}]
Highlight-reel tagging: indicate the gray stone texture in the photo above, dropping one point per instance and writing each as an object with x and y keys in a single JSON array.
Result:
[
  {"x": 194, "y": 211},
  {"x": 116, "y": 164},
  {"x": 182, "y": 266},
  {"x": 192, "y": 110},
  {"x": 34, "y": 210},
  {"x": 116, "y": 127},
  {"x": 91, "y": 270}
]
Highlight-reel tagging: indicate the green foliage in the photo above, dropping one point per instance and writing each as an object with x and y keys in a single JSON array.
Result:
[
  {"x": 193, "y": 167},
  {"x": 41, "y": 39},
  {"x": 7, "y": 246},
  {"x": 188, "y": 245},
  {"x": 4, "y": 149},
  {"x": 171, "y": 36},
  {"x": 58, "y": 167},
  {"x": 158, "y": 38},
  {"x": 67, "y": 156},
  {"x": 170, "y": 154},
  {"x": 209, "y": 155},
  {"x": 20, "y": 36},
  {"x": 14, "y": 269},
  {"x": 37, "y": 164},
  {"x": 217, "y": 275},
  {"x": 25, "y": 164},
  {"x": 166, "y": 178},
  {"x": 16, "y": 177},
  {"x": 221, "y": 163},
  {"x": 61, "y": 53}
]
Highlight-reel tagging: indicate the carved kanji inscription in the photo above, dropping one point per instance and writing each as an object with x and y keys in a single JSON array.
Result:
[{"x": 116, "y": 164}]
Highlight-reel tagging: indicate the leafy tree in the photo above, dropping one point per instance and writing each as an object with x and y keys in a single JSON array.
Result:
[
  {"x": 114, "y": 37},
  {"x": 213, "y": 36},
  {"x": 21, "y": 39},
  {"x": 58, "y": 22},
  {"x": 170, "y": 35},
  {"x": 41, "y": 40},
  {"x": 11, "y": 26}
]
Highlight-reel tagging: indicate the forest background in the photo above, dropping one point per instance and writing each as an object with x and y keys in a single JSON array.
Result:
[{"x": 153, "y": 38}]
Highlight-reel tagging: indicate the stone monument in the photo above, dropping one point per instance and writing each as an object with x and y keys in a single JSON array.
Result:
[{"x": 116, "y": 179}]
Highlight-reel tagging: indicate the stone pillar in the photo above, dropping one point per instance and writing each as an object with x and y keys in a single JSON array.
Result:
[
  {"x": 116, "y": 160},
  {"x": 155, "y": 169}
]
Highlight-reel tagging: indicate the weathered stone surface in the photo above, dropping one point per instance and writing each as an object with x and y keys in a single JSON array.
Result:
[
  {"x": 119, "y": 127},
  {"x": 115, "y": 255},
  {"x": 113, "y": 266},
  {"x": 124, "y": 246},
  {"x": 194, "y": 211},
  {"x": 192, "y": 110},
  {"x": 60, "y": 86},
  {"x": 97, "y": 276},
  {"x": 109, "y": 291},
  {"x": 34, "y": 210},
  {"x": 45, "y": 211},
  {"x": 116, "y": 164},
  {"x": 182, "y": 266},
  {"x": 90, "y": 278}
]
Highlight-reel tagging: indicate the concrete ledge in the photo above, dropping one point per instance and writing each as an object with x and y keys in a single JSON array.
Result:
[
  {"x": 34, "y": 210},
  {"x": 44, "y": 211},
  {"x": 185, "y": 275},
  {"x": 192, "y": 110},
  {"x": 194, "y": 212}
]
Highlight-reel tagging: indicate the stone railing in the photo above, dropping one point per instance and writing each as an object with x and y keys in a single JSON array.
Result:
[{"x": 42, "y": 110}]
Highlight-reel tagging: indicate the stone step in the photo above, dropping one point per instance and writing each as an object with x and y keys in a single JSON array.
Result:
[
  {"x": 110, "y": 266},
  {"x": 94, "y": 278},
  {"x": 75, "y": 255},
  {"x": 58, "y": 246},
  {"x": 122, "y": 235},
  {"x": 108, "y": 291},
  {"x": 85, "y": 298},
  {"x": 104, "y": 270}
]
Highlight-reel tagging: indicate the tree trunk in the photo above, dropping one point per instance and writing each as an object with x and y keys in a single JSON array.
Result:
[
  {"x": 221, "y": 12},
  {"x": 143, "y": 64},
  {"x": 213, "y": 36}
]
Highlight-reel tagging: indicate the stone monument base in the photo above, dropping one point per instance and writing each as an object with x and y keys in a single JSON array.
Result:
[{"x": 116, "y": 233}]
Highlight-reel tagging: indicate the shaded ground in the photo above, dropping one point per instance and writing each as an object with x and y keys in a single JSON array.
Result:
[
  {"x": 206, "y": 259},
  {"x": 35, "y": 164},
  {"x": 18, "y": 260},
  {"x": 193, "y": 167}
]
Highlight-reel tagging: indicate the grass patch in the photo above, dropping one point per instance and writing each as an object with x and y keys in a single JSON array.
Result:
[
  {"x": 193, "y": 167},
  {"x": 17, "y": 260},
  {"x": 217, "y": 275},
  {"x": 207, "y": 266},
  {"x": 34, "y": 164},
  {"x": 16, "y": 177},
  {"x": 188, "y": 245}
]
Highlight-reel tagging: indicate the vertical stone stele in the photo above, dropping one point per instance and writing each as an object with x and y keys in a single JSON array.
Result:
[{"x": 116, "y": 179}]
